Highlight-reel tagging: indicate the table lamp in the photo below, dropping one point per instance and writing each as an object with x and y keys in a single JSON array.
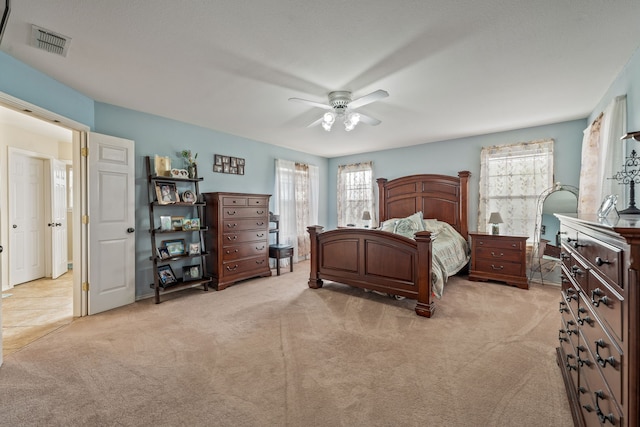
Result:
[
  {"x": 494, "y": 220},
  {"x": 366, "y": 217}
]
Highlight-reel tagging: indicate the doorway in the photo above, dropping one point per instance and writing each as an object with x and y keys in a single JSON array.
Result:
[{"x": 37, "y": 289}]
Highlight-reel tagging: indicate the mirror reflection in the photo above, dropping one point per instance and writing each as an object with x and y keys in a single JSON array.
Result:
[{"x": 545, "y": 256}]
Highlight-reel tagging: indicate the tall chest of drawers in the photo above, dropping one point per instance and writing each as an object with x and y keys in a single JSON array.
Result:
[
  {"x": 598, "y": 352},
  {"x": 239, "y": 236}
]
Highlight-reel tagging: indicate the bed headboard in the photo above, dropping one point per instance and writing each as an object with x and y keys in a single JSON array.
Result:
[{"x": 440, "y": 197}]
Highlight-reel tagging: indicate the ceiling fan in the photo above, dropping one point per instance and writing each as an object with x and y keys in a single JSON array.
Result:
[{"x": 342, "y": 108}]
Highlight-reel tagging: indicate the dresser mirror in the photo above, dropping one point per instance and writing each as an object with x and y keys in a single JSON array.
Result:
[{"x": 545, "y": 253}]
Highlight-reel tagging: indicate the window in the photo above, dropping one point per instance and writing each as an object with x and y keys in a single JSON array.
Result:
[
  {"x": 511, "y": 179},
  {"x": 296, "y": 201},
  {"x": 355, "y": 194}
]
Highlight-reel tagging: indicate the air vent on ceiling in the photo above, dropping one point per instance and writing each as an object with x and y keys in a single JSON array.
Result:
[{"x": 49, "y": 41}]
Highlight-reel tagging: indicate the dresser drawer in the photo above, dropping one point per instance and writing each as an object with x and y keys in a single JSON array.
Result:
[
  {"x": 234, "y": 201},
  {"x": 606, "y": 303},
  {"x": 600, "y": 396},
  {"x": 230, "y": 253},
  {"x": 257, "y": 201},
  {"x": 244, "y": 236},
  {"x": 496, "y": 253},
  {"x": 605, "y": 352},
  {"x": 229, "y": 225},
  {"x": 579, "y": 271},
  {"x": 603, "y": 257},
  {"x": 252, "y": 212},
  {"x": 243, "y": 266}
]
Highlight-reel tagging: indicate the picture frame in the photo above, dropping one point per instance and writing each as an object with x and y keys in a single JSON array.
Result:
[
  {"x": 179, "y": 173},
  {"x": 165, "y": 223},
  {"x": 228, "y": 164},
  {"x": 191, "y": 272},
  {"x": 194, "y": 248},
  {"x": 166, "y": 277},
  {"x": 608, "y": 205},
  {"x": 188, "y": 196},
  {"x": 195, "y": 224},
  {"x": 175, "y": 247},
  {"x": 167, "y": 193},
  {"x": 176, "y": 223},
  {"x": 163, "y": 253},
  {"x": 162, "y": 165},
  {"x": 186, "y": 224}
]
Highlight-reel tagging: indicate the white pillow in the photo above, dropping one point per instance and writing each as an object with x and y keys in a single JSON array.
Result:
[{"x": 410, "y": 225}]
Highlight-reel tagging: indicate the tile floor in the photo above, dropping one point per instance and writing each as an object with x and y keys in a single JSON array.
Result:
[{"x": 34, "y": 309}]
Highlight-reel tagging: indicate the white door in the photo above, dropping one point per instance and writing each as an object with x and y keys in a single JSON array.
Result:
[
  {"x": 58, "y": 224},
  {"x": 111, "y": 207},
  {"x": 26, "y": 219}
]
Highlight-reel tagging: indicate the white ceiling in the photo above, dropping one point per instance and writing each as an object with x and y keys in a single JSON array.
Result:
[{"x": 452, "y": 68}]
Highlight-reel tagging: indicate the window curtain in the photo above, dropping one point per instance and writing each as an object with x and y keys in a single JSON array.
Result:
[
  {"x": 356, "y": 194},
  {"x": 511, "y": 179},
  {"x": 296, "y": 202},
  {"x": 602, "y": 156}
]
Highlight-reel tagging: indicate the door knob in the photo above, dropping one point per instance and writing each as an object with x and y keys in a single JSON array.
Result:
[
  {"x": 1, "y": 248},
  {"x": 58, "y": 224},
  {"x": 15, "y": 226},
  {"x": 130, "y": 230}
]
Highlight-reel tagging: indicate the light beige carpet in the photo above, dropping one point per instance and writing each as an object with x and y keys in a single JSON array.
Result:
[{"x": 272, "y": 352}]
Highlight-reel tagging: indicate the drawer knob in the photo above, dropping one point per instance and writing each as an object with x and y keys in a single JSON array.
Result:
[
  {"x": 601, "y": 416},
  {"x": 259, "y": 248},
  {"x": 597, "y": 292},
  {"x": 563, "y": 307},
  {"x": 577, "y": 271},
  {"x": 500, "y": 267},
  {"x": 601, "y": 361},
  {"x": 231, "y": 212},
  {"x": 600, "y": 261},
  {"x": 495, "y": 255},
  {"x": 234, "y": 268},
  {"x": 259, "y": 212},
  {"x": 569, "y": 365},
  {"x": 587, "y": 319},
  {"x": 232, "y": 238},
  {"x": 232, "y": 225},
  {"x": 560, "y": 337}
]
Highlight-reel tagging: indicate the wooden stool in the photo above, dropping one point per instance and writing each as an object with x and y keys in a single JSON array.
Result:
[{"x": 281, "y": 251}]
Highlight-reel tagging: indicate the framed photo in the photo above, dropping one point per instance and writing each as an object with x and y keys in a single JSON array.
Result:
[
  {"x": 608, "y": 205},
  {"x": 166, "y": 276},
  {"x": 162, "y": 165},
  {"x": 195, "y": 224},
  {"x": 166, "y": 193},
  {"x": 217, "y": 160},
  {"x": 163, "y": 253},
  {"x": 217, "y": 168},
  {"x": 165, "y": 223},
  {"x": 174, "y": 247},
  {"x": 194, "y": 248},
  {"x": 186, "y": 224},
  {"x": 228, "y": 164},
  {"x": 191, "y": 272},
  {"x": 176, "y": 222},
  {"x": 189, "y": 196}
]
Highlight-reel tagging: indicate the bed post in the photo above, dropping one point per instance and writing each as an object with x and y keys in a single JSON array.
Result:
[
  {"x": 464, "y": 203},
  {"x": 314, "y": 281},
  {"x": 425, "y": 306},
  {"x": 382, "y": 206}
]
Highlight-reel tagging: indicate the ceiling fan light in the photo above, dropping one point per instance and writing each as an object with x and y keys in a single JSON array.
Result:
[
  {"x": 326, "y": 126},
  {"x": 355, "y": 118},
  {"x": 329, "y": 118},
  {"x": 349, "y": 126}
]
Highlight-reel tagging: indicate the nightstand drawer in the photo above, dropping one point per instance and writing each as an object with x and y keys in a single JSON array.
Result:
[
  {"x": 498, "y": 254},
  {"x": 501, "y": 242},
  {"x": 499, "y": 267}
]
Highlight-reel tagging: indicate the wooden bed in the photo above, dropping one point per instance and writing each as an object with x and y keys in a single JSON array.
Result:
[{"x": 385, "y": 262}]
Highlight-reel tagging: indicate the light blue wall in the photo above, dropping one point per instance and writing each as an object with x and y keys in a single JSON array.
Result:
[
  {"x": 23, "y": 82},
  {"x": 449, "y": 157},
  {"x": 156, "y": 135}
]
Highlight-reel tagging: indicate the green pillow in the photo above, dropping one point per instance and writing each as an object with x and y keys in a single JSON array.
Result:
[{"x": 409, "y": 226}]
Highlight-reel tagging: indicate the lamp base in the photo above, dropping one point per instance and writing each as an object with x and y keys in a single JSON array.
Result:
[
  {"x": 495, "y": 229},
  {"x": 631, "y": 210}
]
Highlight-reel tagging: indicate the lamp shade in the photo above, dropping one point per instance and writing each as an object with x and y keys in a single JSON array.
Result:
[
  {"x": 366, "y": 216},
  {"x": 495, "y": 218}
]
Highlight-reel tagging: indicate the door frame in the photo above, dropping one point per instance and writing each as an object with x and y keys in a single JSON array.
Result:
[{"x": 80, "y": 230}]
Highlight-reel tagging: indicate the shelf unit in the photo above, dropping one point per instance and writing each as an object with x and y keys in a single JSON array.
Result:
[
  {"x": 278, "y": 251},
  {"x": 182, "y": 209}
]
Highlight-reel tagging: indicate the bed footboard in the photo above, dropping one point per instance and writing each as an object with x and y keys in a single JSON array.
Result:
[{"x": 376, "y": 260}]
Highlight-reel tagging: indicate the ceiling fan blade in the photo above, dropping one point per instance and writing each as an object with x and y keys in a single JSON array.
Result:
[
  {"x": 317, "y": 122},
  {"x": 368, "y": 99},
  {"x": 369, "y": 120},
  {"x": 312, "y": 103}
]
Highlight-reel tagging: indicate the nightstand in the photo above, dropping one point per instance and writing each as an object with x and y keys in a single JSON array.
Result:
[{"x": 498, "y": 257}]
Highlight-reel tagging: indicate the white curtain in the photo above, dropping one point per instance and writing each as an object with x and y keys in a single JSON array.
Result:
[
  {"x": 511, "y": 179},
  {"x": 296, "y": 202},
  {"x": 602, "y": 156},
  {"x": 356, "y": 194}
]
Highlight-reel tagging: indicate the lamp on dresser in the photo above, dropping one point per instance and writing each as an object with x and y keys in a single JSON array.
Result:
[{"x": 366, "y": 217}]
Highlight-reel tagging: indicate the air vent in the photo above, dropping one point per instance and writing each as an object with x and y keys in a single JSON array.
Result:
[{"x": 49, "y": 41}]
